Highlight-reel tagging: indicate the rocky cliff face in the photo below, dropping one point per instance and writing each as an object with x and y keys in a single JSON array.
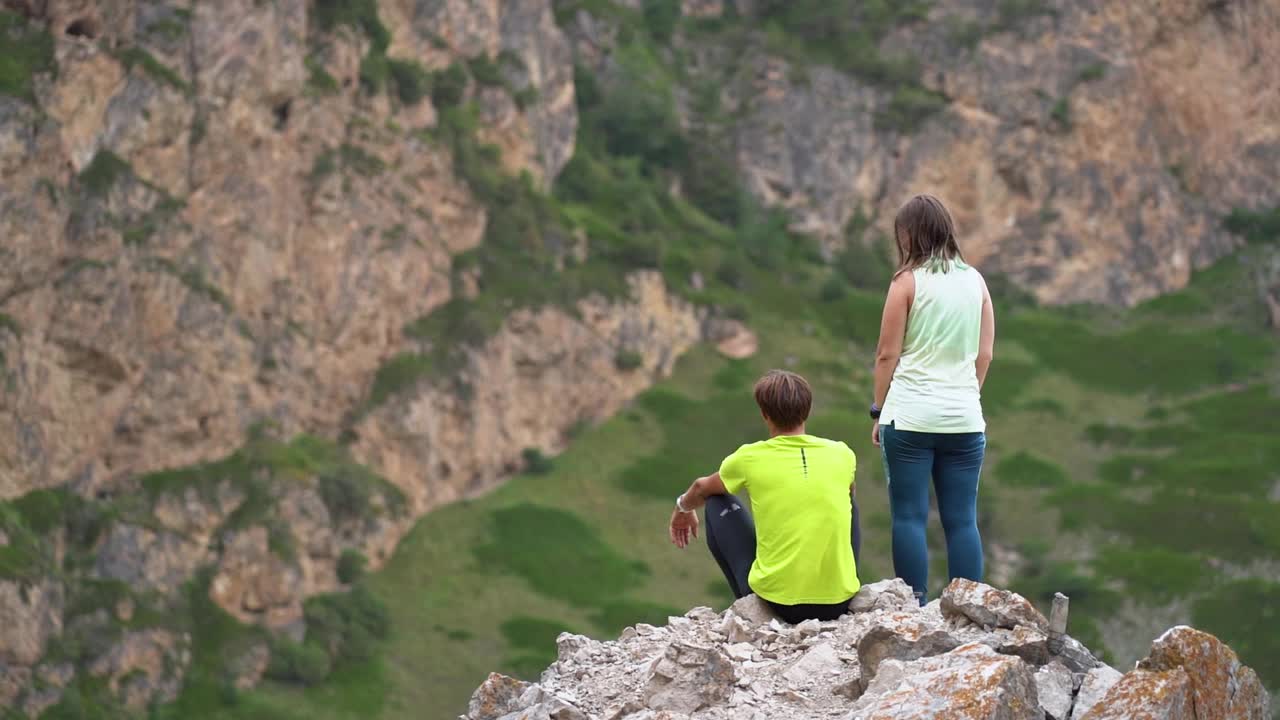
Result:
[
  {"x": 977, "y": 653},
  {"x": 220, "y": 218},
  {"x": 1087, "y": 149}
]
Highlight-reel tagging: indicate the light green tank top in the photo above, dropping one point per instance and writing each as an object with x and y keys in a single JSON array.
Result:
[{"x": 935, "y": 386}]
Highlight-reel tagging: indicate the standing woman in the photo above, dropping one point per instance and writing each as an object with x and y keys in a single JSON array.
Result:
[{"x": 936, "y": 342}]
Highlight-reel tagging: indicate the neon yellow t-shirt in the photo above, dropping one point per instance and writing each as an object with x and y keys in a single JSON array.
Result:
[{"x": 799, "y": 486}]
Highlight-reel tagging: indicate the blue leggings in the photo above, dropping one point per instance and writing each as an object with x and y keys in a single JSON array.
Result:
[{"x": 954, "y": 460}]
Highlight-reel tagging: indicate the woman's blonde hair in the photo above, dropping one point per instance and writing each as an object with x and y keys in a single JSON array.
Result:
[{"x": 924, "y": 231}]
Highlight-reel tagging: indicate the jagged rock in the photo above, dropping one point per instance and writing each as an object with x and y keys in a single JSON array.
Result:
[
  {"x": 990, "y": 607},
  {"x": 1076, "y": 656},
  {"x": 903, "y": 636},
  {"x": 1055, "y": 689},
  {"x": 1095, "y": 685},
  {"x": 1221, "y": 686},
  {"x": 150, "y": 559},
  {"x": 29, "y": 615},
  {"x": 496, "y": 697},
  {"x": 145, "y": 667},
  {"x": 1147, "y": 695},
  {"x": 972, "y": 682},
  {"x": 753, "y": 610},
  {"x": 689, "y": 677},
  {"x": 1024, "y": 641},
  {"x": 818, "y": 664},
  {"x": 13, "y": 681},
  {"x": 893, "y": 594}
]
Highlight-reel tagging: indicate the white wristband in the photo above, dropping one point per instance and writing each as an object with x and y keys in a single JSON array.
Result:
[{"x": 680, "y": 503}]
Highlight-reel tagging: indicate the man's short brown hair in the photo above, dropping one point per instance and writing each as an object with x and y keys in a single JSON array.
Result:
[{"x": 785, "y": 398}]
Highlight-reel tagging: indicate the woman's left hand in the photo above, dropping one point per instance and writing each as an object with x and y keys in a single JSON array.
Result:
[{"x": 875, "y": 434}]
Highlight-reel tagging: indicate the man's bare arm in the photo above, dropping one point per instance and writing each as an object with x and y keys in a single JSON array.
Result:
[{"x": 701, "y": 489}]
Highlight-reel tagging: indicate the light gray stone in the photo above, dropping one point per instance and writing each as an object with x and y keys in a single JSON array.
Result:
[
  {"x": 990, "y": 607},
  {"x": 1095, "y": 685},
  {"x": 902, "y": 636},
  {"x": 1054, "y": 688},
  {"x": 1076, "y": 656},
  {"x": 753, "y": 610},
  {"x": 893, "y": 594},
  {"x": 818, "y": 662},
  {"x": 688, "y": 677}
]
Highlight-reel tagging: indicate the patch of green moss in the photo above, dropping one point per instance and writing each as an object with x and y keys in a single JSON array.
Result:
[
  {"x": 412, "y": 82},
  {"x": 194, "y": 279},
  {"x": 319, "y": 81},
  {"x": 26, "y": 50}
]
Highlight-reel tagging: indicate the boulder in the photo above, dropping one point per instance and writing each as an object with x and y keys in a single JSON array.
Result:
[
  {"x": 754, "y": 610},
  {"x": 893, "y": 594},
  {"x": 496, "y": 697},
  {"x": 1147, "y": 695},
  {"x": 990, "y": 607},
  {"x": 972, "y": 682},
  {"x": 1055, "y": 688},
  {"x": 1095, "y": 685},
  {"x": 820, "y": 662},
  {"x": 688, "y": 677},
  {"x": 902, "y": 636},
  {"x": 1221, "y": 686}
]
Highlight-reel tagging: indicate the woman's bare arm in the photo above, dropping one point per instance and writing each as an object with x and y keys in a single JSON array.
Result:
[
  {"x": 987, "y": 337},
  {"x": 893, "y": 329}
]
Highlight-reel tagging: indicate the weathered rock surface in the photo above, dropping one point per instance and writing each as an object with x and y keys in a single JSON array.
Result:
[
  {"x": 1093, "y": 688},
  {"x": 1146, "y": 695},
  {"x": 691, "y": 669},
  {"x": 990, "y": 607},
  {"x": 971, "y": 681},
  {"x": 1055, "y": 688},
  {"x": 30, "y": 616},
  {"x": 1220, "y": 685}
]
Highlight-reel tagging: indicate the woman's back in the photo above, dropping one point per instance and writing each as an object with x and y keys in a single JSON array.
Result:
[{"x": 935, "y": 386}]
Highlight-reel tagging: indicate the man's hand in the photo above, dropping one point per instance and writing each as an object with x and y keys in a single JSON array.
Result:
[
  {"x": 683, "y": 525},
  {"x": 875, "y": 434}
]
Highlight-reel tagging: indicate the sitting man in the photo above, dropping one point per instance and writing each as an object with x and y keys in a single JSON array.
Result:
[{"x": 802, "y": 559}]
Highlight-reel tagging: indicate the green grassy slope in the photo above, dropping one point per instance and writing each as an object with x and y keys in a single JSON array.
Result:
[{"x": 1115, "y": 495}]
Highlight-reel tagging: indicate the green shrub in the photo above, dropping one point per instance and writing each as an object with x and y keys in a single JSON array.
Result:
[
  {"x": 375, "y": 72},
  {"x": 1060, "y": 113},
  {"x": 299, "y": 663},
  {"x": 359, "y": 160},
  {"x": 661, "y": 18},
  {"x": 908, "y": 109},
  {"x": 1092, "y": 72},
  {"x": 448, "y": 87},
  {"x": 412, "y": 82},
  {"x": 102, "y": 173},
  {"x": 628, "y": 360},
  {"x": 1261, "y": 226},
  {"x": 863, "y": 265},
  {"x": 352, "y": 566},
  {"x": 485, "y": 71},
  {"x": 1011, "y": 13},
  {"x": 319, "y": 80},
  {"x": 26, "y": 49},
  {"x": 535, "y": 463},
  {"x": 359, "y": 14}
]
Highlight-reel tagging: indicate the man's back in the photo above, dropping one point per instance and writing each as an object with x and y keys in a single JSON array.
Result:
[{"x": 799, "y": 487}]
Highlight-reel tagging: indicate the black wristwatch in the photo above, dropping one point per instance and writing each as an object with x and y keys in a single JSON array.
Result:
[{"x": 875, "y": 411}]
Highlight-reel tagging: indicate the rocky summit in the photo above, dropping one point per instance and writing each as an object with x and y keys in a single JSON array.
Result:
[{"x": 977, "y": 653}]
